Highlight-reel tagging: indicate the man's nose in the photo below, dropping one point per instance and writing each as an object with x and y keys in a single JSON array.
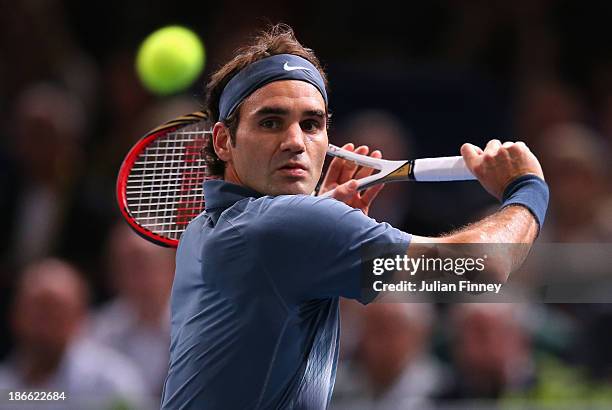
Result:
[{"x": 293, "y": 140}]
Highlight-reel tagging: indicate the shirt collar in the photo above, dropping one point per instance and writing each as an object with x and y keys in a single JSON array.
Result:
[{"x": 221, "y": 194}]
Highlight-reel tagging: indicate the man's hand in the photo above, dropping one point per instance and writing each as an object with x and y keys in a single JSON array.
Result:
[
  {"x": 342, "y": 175},
  {"x": 499, "y": 164}
]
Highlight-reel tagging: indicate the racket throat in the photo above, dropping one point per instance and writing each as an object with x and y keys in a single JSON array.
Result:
[{"x": 404, "y": 172}]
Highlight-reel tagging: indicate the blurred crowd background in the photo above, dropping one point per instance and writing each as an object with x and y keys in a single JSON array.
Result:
[{"x": 83, "y": 300}]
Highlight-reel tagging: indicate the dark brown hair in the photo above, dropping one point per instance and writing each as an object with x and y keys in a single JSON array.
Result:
[{"x": 278, "y": 39}]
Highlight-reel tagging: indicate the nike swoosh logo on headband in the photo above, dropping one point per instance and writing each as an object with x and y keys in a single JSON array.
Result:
[{"x": 287, "y": 67}]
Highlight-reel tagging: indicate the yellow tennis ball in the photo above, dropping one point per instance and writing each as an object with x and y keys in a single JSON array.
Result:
[{"x": 170, "y": 60}]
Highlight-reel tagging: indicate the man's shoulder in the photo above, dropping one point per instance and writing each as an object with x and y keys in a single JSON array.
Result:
[
  {"x": 300, "y": 205},
  {"x": 297, "y": 217},
  {"x": 291, "y": 210}
]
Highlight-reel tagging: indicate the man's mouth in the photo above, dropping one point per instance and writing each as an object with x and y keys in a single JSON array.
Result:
[{"x": 294, "y": 169}]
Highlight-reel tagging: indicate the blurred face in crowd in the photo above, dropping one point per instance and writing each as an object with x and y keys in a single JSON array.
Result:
[
  {"x": 575, "y": 187},
  {"x": 38, "y": 145},
  {"x": 390, "y": 339},
  {"x": 49, "y": 307},
  {"x": 575, "y": 171},
  {"x": 281, "y": 139},
  {"x": 488, "y": 346},
  {"x": 48, "y": 126}
]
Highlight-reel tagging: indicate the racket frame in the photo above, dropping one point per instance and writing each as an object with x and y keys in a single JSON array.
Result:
[{"x": 126, "y": 167}]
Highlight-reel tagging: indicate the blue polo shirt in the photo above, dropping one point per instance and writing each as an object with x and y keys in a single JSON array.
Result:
[{"x": 255, "y": 321}]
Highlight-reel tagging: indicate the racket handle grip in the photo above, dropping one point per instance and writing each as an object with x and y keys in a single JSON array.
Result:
[{"x": 441, "y": 169}]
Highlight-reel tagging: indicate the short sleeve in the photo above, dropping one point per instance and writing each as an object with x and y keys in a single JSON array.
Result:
[{"x": 312, "y": 247}]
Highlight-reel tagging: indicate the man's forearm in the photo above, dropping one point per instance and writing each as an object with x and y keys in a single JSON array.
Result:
[
  {"x": 506, "y": 236},
  {"x": 513, "y": 224}
]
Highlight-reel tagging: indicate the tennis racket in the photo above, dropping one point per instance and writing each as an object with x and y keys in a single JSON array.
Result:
[
  {"x": 160, "y": 182},
  {"x": 159, "y": 186}
]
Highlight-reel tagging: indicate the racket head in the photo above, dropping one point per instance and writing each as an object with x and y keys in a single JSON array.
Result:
[{"x": 160, "y": 183}]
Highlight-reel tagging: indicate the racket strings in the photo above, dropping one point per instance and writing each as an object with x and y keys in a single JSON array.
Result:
[{"x": 164, "y": 190}]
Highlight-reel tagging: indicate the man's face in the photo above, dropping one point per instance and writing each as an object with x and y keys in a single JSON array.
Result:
[{"x": 281, "y": 139}]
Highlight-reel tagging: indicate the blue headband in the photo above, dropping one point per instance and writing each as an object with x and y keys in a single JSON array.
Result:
[{"x": 265, "y": 71}]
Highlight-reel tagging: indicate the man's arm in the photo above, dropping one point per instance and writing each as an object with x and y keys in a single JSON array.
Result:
[
  {"x": 512, "y": 225},
  {"x": 495, "y": 167}
]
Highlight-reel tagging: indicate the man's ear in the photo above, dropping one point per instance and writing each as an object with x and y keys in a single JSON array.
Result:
[{"x": 222, "y": 141}]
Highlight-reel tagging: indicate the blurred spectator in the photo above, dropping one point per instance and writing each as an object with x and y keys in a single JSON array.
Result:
[
  {"x": 491, "y": 351},
  {"x": 137, "y": 321},
  {"x": 544, "y": 103},
  {"x": 51, "y": 352},
  {"x": 381, "y": 130},
  {"x": 44, "y": 27},
  {"x": 49, "y": 125},
  {"x": 575, "y": 162},
  {"x": 125, "y": 100},
  {"x": 50, "y": 208},
  {"x": 392, "y": 368}
]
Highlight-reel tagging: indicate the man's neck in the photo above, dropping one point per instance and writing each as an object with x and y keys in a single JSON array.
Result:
[{"x": 231, "y": 176}]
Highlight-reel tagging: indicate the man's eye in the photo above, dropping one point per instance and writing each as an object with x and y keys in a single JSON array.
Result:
[
  {"x": 311, "y": 125},
  {"x": 270, "y": 123}
]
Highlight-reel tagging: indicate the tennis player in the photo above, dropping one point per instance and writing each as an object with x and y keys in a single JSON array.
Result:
[{"x": 255, "y": 298}]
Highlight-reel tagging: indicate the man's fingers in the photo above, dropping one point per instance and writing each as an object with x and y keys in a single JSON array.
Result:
[
  {"x": 370, "y": 194},
  {"x": 494, "y": 143},
  {"x": 500, "y": 163},
  {"x": 346, "y": 191},
  {"x": 335, "y": 167},
  {"x": 492, "y": 147},
  {"x": 471, "y": 154},
  {"x": 520, "y": 146},
  {"x": 474, "y": 149},
  {"x": 333, "y": 171},
  {"x": 366, "y": 171},
  {"x": 348, "y": 171},
  {"x": 342, "y": 175}
]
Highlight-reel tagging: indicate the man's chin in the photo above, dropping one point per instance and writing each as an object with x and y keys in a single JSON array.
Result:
[{"x": 292, "y": 188}]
